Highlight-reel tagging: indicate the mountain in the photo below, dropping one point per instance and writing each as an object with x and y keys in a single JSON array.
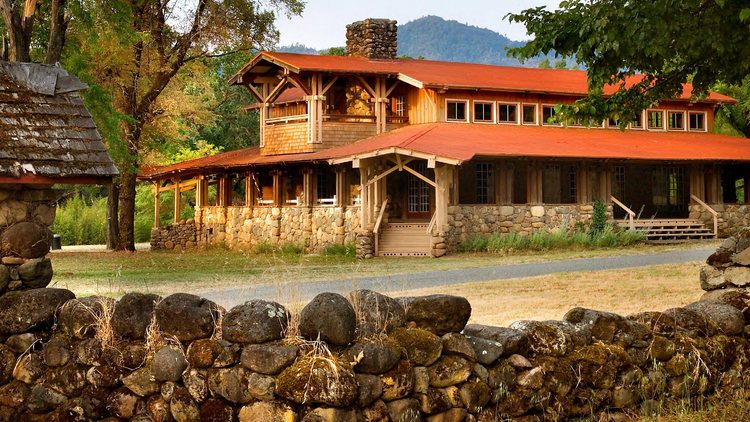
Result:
[{"x": 435, "y": 38}]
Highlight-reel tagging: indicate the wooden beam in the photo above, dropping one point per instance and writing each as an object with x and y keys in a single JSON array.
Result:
[
  {"x": 329, "y": 85},
  {"x": 390, "y": 90},
  {"x": 367, "y": 86},
  {"x": 421, "y": 176},
  {"x": 255, "y": 93},
  {"x": 177, "y": 201},
  {"x": 157, "y": 204},
  {"x": 296, "y": 81},
  {"x": 276, "y": 91},
  {"x": 382, "y": 175}
]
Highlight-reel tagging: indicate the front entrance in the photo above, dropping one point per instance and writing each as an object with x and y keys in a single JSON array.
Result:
[
  {"x": 652, "y": 192},
  {"x": 418, "y": 193}
]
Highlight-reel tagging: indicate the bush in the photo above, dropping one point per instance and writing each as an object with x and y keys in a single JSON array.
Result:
[
  {"x": 82, "y": 222},
  {"x": 599, "y": 219},
  {"x": 337, "y": 249}
]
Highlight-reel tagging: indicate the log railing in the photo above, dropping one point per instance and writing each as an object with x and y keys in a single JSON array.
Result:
[
  {"x": 433, "y": 220},
  {"x": 286, "y": 119},
  {"x": 712, "y": 211},
  {"x": 631, "y": 214},
  {"x": 378, "y": 222}
]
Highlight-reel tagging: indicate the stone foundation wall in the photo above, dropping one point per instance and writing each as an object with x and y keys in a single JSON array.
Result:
[
  {"x": 245, "y": 227},
  {"x": 731, "y": 217},
  {"x": 178, "y": 236},
  {"x": 26, "y": 212},
  {"x": 465, "y": 221},
  {"x": 183, "y": 358}
]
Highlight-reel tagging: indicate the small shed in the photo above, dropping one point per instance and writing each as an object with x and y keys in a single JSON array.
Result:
[{"x": 47, "y": 136}]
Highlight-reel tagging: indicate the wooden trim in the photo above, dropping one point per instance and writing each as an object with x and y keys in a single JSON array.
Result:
[
  {"x": 177, "y": 201},
  {"x": 329, "y": 85},
  {"x": 157, "y": 204},
  {"x": 276, "y": 91},
  {"x": 367, "y": 86},
  {"x": 296, "y": 81},
  {"x": 421, "y": 176}
]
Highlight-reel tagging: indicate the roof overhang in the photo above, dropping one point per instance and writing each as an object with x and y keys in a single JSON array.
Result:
[
  {"x": 394, "y": 150},
  {"x": 32, "y": 179}
]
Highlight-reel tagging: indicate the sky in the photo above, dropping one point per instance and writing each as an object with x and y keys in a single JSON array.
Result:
[{"x": 323, "y": 22}]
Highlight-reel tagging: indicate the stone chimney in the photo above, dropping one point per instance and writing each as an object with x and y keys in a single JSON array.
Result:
[{"x": 372, "y": 38}]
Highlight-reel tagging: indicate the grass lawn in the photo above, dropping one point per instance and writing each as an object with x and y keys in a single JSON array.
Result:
[{"x": 117, "y": 273}]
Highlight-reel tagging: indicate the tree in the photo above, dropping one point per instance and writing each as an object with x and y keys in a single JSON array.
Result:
[
  {"x": 139, "y": 49},
  {"x": 544, "y": 64},
  {"x": 642, "y": 50},
  {"x": 561, "y": 64},
  {"x": 736, "y": 115},
  {"x": 334, "y": 51},
  {"x": 19, "y": 19}
]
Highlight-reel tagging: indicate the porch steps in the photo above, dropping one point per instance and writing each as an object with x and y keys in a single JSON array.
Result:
[
  {"x": 674, "y": 230},
  {"x": 404, "y": 239}
]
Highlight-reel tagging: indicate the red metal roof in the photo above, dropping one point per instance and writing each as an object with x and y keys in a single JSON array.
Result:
[
  {"x": 462, "y": 142},
  {"x": 451, "y": 74}
]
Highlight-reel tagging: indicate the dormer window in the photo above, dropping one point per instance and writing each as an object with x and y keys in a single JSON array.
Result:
[
  {"x": 507, "y": 113},
  {"x": 698, "y": 122},
  {"x": 656, "y": 120},
  {"x": 529, "y": 114},
  {"x": 483, "y": 112},
  {"x": 456, "y": 111},
  {"x": 676, "y": 120},
  {"x": 637, "y": 122},
  {"x": 548, "y": 112}
]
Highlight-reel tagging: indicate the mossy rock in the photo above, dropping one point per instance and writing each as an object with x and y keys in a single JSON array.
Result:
[
  {"x": 422, "y": 347},
  {"x": 398, "y": 382},
  {"x": 313, "y": 380}
]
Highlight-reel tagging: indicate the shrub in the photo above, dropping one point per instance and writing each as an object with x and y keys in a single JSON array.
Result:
[
  {"x": 337, "y": 249},
  {"x": 599, "y": 219},
  {"x": 292, "y": 248},
  {"x": 82, "y": 222}
]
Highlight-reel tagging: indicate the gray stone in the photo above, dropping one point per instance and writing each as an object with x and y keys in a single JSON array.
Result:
[
  {"x": 330, "y": 317},
  {"x": 30, "y": 309},
  {"x": 730, "y": 320},
  {"x": 36, "y": 273},
  {"x": 169, "y": 363},
  {"x": 371, "y": 358},
  {"x": 311, "y": 381},
  {"x": 4, "y": 278},
  {"x": 27, "y": 240},
  {"x": 439, "y": 314},
  {"x": 43, "y": 399},
  {"x": 512, "y": 341},
  {"x": 449, "y": 370},
  {"x": 141, "y": 382},
  {"x": 486, "y": 351},
  {"x": 457, "y": 344},
  {"x": 544, "y": 339},
  {"x": 257, "y": 321},
  {"x": 261, "y": 386},
  {"x": 183, "y": 407},
  {"x": 267, "y": 412},
  {"x": 80, "y": 317},
  {"x": 58, "y": 352},
  {"x": 377, "y": 313},
  {"x": 267, "y": 359},
  {"x": 737, "y": 276},
  {"x": 187, "y": 317},
  {"x": 230, "y": 383},
  {"x": 370, "y": 388},
  {"x": 603, "y": 325},
  {"x": 196, "y": 383},
  {"x": 132, "y": 315}
]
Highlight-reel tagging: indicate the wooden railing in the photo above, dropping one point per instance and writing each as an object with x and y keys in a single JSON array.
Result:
[
  {"x": 433, "y": 220},
  {"x": 712, "y": 211},
  {"x": 630, "y": 212},
  {"x": 286, "y": 119},
  {"x": 376, "y": 230}
]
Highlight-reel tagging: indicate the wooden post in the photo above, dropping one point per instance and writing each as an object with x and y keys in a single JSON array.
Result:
[
  {"x": 278, "y": 197},
  {"x": 157, "y": 203},
  {"x": 698, "y": 181},
  {"x": 307, "y": 187},
  {"x": 177, "y": 201},
  {"x": 340, "y": 187},
  {"x": 534, "y": 184},
  {"x": 441, "y": 196},
  {"x": 504, "y": 191},
  {"x": 249, "y": 189},
  {"x": 364, "y": 197},
  {"x": 605, "y": 184}
]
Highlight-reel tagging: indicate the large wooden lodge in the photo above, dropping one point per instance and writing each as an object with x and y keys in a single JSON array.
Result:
[{"x": 412, "y": 156}]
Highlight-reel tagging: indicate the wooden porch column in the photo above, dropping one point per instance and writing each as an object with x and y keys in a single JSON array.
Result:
[
  {"x": 442, "y": 190},
  {"x": 504, "y": 183},
  {"x": 583, "y": 185},
  {"x": 157, "y": 203},
  {"x": 200, "y": 194},
  {"x": 315, "y": 110},
  {"x": 278, "y": 196},
  {"x": 365, "y": 202},
  {"x": 249, "y": 189},
  {"x": 534, "y": 184},
  {"x": 340, "y": 186},
  {"x": 177, "y": 200},
  {"x": 308, "y": 189},
  {"x": 713, "y": 186},
  {"x": 605, "y": 183},
  {"x": 698, "y": 181}
]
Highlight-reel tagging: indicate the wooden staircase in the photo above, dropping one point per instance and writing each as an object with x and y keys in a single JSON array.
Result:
[
  {"x": 674, "y": 230},
  {"x": 404, "y": 239}
]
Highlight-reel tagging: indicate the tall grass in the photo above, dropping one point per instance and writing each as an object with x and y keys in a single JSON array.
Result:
[
  {"x": 82, "y": 221},
  {"x": 607, "y": 237}
]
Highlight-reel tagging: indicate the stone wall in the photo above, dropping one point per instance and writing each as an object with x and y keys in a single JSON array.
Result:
[
  {"x": 465, "y": 221},
  {"x": 245, "y": 227},
  {"x": 364, "y": 358},
  {"x": 731, "y": 217},
  {"x": 26, "y": 212},
  {"x": 177, "y": 236},
  {"x": 372, "y": 38}
]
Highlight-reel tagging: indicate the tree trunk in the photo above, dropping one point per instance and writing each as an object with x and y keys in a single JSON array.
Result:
[
  {"x": 113, "y": 198},
  {"x": 127, "y": 210},
  {"x": 19, "y": 29},
  {"x": 57, "y": 30},
  {"x": 4, "y": 50}
]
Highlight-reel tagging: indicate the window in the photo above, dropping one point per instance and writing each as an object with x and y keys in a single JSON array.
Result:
[
  {"x": 456, "y": 111},
  {"x": 485, "y": 183},
  {"x": 483, "y": 112},
  {"x": 400, "y": 105},
  {"x": 573, "y": 185},
  {"x": 551, "y": 188},
  {"x": 529, "y": 114},
  {"x": 613, "y": 123},
  {"x": 637, "y": 122},
  {"x": 507, "y": 113},
  {"x": 618, "y": 182},
  {"x": 656, "y": 120},
  {"x": 548, "y": 112},
  {"x": 676, "y": 120},
  {"x": 698, "y": 122}
]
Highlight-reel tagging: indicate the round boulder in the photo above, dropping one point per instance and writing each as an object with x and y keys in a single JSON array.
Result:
[
  {"x": 267, "y": 359},
  {"x": 132, "y": 315},
  {"x": 377, "y": 313},
  {"x": 311, "y": 380},
  {"x": 439, "y": 314},
  {"x": 79, "y": 317},
  {"x": 729, "y": 319},
  {"x": 328, "y": 316},
  {"x": 372, "y": 358},
  {"x": 544, "y": 339},
  {"x": 27, "y": 240},
  {"x": 36, "y": 273},
  {"x": 257, "y": 321},
  {"x": 187, "y": 317},
  {"x": 29, "y": 309},
  {"x": 169, "y": 363},
  {"x": 422, "y": 347}
]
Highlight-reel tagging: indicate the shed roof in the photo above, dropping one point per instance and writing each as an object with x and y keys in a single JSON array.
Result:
[
  {"x": 46, "y": 133},
  {"x": 456, "y": 143},
  {"x": 440, "y": 74}
]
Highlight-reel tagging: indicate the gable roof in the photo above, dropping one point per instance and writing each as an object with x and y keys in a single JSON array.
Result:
[
  {"x": 438, "y": 141},
  {"x": 440, "y": 74},
  {"x": 46, "y": 133}
]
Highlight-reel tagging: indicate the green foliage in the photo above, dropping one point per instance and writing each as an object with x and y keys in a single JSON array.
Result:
[
  {"x": 544, "y": 64},
  {"x": 561, "y": 64},
  {"x": 288, "y": 248},
  {"x": 81, "y": 221},
  {"x": 334, "y": 51},
  {"x": 337, "y": 249},
  {"x": 608, "y": 237},
  {"x": 668, "y": 42},
  {"x": 599, "y": 219},
  {"x": 734, "y": 119}
]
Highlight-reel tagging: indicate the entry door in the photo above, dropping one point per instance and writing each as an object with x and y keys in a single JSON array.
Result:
[
  {"x": 669, "y": 193},
  {"x": 418, "y": 193}
]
